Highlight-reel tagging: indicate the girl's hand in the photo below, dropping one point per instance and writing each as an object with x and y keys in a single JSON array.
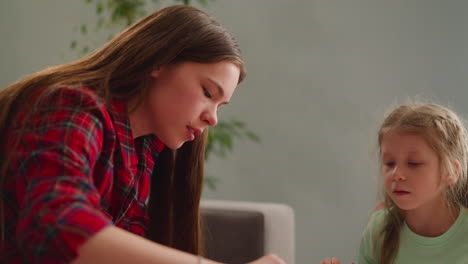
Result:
[
  {"x": 331, "y": 261},
  {"x": 268, "y": 259}
]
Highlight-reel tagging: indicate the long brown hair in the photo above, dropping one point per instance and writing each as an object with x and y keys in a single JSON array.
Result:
[
  {"x": 121, "y": 70},
  {"x": 446, "y": 133}
]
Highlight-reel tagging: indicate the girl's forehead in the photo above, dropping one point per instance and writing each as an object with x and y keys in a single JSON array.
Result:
[
  {"x": 399, "y": 135},
  {"x": 410, "y": 143}
]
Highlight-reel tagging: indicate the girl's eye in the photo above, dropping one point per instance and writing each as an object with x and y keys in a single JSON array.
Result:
[
  {"x": 206, "y": 92},
  {"x": 413, "y": 164},
  {"x": 389, "y": 164}
]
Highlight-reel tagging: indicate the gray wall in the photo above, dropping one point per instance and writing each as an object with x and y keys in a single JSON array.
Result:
[{"x": 321, "y": 75}]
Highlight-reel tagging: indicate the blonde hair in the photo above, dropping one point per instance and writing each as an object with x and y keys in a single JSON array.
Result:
[{"x": 446, "y": 134}]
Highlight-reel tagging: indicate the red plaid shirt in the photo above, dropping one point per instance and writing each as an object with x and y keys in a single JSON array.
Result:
[{"x": 76, "y": 170}]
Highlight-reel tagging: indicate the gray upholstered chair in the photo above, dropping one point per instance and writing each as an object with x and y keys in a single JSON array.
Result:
[{"x": 239, "y": 232}]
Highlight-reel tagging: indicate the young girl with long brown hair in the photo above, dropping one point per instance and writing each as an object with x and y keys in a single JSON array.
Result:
[{"x": 102, "y": 158}]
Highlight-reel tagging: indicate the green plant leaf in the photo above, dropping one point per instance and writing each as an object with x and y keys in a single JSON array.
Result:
[
  {"x": 73, "y": 44},
  {"x": 100, "y": 23},
  {"x": 84, "y": 29},
  {"x": 238, "y": 123},
  {"x": 227, "y": 141},
  {"x": 252, "y": 136},
  {"x": 99, "y": 8},
  {"x": 211, "y": 182},
  {"x": 85, "y": 50}
]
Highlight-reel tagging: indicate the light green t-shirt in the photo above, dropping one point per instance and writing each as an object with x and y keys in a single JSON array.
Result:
[{"x": 449, "y": 248}]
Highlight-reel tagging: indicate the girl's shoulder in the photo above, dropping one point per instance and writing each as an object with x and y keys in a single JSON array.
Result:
[
  {"x": 371, "y": 236},
  {"x": 373, "y": 230},
  {"x": 378, "y": 216},
  {"x": 63, "y": 107},
  {"x": 72, "y": 99},
  {"x": 71, "y": 96},
  {"x": 464, "y": 215}
]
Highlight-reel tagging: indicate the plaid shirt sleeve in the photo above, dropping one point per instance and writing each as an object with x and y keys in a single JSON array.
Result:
[{"x": 59, "y": 205}]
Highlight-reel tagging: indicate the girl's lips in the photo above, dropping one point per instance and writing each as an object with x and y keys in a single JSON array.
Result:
[
  {"x": 197, "y": 131},
  {"x": 192, "y": 132},
  {"x": 401, "y": 192}
]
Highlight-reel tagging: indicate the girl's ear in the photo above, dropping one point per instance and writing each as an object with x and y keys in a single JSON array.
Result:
[
  {"x": 158, "y": 70},
  {"x": 452, "y": 178},
  {"x": 155, "y": 73}
]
